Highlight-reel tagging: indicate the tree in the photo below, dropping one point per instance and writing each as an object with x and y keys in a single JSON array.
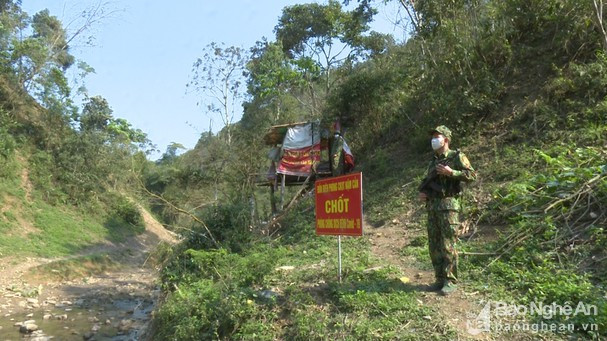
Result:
[
  {"x": 12, "y": 20},
  {"x": 212, "y": 159},
  {"x": 37, "y": 49},
  {"x": 219, "y": 77},
  {"x": 271, "y": 77},
  {"x": 42, "y": 53},
  {"x": 95, "y": 116},
  {"x": 171, "y": 153},
  {"x": 319, "y": 38},
  {"x": 105, "y": 134}
]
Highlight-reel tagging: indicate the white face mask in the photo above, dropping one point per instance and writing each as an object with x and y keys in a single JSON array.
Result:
[{"x": 437, "y": 143}]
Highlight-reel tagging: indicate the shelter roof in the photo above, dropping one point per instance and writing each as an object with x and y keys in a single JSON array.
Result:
[{"x": 276, "y": 134}]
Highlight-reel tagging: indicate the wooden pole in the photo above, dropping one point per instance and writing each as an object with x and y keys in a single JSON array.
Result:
[
  {"x": 282, "y": 191},
  {"x": 273, "y": 200}
]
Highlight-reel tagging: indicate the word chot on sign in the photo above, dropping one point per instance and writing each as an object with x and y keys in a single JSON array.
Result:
[{"x": 339, "y": 205}]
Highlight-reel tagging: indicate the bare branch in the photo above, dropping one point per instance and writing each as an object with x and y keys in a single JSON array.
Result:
[
  {"x": 598, "y": 10},
  {"x": 218, "y": 77},
  {"x": 180, "y": 210}
]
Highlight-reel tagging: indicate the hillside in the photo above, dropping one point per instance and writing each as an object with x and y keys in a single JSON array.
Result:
[
  {"x": 521, "y": 84},
  {"x": 75, "y": 235},
  {"x": 60, "y": 261}
]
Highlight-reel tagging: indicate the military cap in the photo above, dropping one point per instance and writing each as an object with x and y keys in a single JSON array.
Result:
[{"x": 442, "y": 130}]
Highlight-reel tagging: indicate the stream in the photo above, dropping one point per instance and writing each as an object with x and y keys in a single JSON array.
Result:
[{"x": 112, "y": 307}]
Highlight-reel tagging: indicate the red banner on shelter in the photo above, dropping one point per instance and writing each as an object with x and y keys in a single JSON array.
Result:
[
  {"x": 339, "y": 209},
  {"x": 299, "y": 161}
]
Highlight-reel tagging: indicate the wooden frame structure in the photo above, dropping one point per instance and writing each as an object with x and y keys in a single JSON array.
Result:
[{"x": 274, "y": 137}]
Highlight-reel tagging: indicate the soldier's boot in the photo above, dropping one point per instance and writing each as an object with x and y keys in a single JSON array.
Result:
[
  {"x": 439, "y": 282},
  {"x": 448, "y": 288},
  {"x": 436, "y": 286}
]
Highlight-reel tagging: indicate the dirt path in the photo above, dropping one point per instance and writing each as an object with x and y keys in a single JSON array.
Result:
[
  {"x": 456, "y": 309},
  {"x": 115, "y": 303}
]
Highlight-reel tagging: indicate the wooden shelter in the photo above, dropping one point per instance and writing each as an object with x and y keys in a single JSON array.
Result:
[{"x": 299, "y": 155}]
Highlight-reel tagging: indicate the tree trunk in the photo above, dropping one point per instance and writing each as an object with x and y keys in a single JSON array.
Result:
[{"x": 598, "y": 9}]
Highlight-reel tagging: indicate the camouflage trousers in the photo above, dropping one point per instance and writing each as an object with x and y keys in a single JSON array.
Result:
[{"x": 443, "y": 225}]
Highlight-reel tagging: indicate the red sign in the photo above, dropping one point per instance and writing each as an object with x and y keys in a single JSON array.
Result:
[
  {"x": 339, "y": 205},
  {"x": 299, "y": 161}
]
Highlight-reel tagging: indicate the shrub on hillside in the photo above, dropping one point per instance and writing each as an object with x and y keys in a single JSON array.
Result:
[
  {"x": 229, "y": 222},
  {"x": 124, "y": 209}
]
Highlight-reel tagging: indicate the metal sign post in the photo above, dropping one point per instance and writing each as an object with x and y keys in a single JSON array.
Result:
[{"x": 339, "y": 256}]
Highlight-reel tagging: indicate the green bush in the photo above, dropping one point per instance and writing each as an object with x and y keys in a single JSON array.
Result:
[
  {"x": 229, "y": 222},
  {"x": 548, "y": 282},
  {"x": 540, "y": 260},
  {"x": 7, "y": 143},
  {"x": 124, "y": 209},
  {"x": 212, "y": 295},
  {"x": 42, "y": 175}
]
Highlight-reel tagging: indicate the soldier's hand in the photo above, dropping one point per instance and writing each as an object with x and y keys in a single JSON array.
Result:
[
  {"x": 444, "y": 170},
  {"x": 422, "y": 196}
]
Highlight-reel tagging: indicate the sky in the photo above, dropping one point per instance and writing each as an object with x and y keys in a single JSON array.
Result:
[{"x": 144, "y": 51}]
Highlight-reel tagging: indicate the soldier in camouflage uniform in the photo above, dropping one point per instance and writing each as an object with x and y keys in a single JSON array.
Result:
[
  {"x": 337, "y": 151},
  {"x": 440, "y": 191}
]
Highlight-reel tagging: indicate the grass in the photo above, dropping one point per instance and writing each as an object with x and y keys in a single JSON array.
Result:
[
  {"x": 418, "y": 250},
  {"x": 261, "y": 301},
  {"x": 75, "y": 268},
  {"x": 62, "y": 232},
  {"x": 33, "y": 227}
]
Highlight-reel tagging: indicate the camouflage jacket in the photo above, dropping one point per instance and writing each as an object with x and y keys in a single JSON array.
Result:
[
  {"x": 337, "y": 155},
  {"x": 442, "y": 186}
]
